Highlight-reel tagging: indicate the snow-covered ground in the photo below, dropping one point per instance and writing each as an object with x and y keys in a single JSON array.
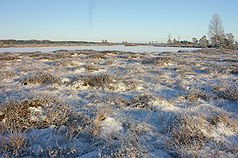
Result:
[
  {"x": 138, "y": 49},
  {"x": 87, "y": 103}
]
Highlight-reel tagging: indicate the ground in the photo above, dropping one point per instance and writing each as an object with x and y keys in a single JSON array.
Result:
[{"x": 119, "y": 104}]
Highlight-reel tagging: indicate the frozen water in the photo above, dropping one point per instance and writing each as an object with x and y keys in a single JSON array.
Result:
[{"x": 136, "y": 49}]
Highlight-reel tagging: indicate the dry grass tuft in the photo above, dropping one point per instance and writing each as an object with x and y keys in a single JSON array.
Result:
[
  {"x": 197, "y": 94},
  {"x": 130, "y": 147},
  {"x": 12, "y": 141},
  {"x": 77, "y": 123},
  {"x": 38, "y": 113},
  {"x": 131, "y": 84},
  {"x": 186, "y": 132},
  {"x": 225, "y": 119},
  {"x": 231, "y": 93},
  {"x": 157, "y": 60},
  {"x": 217, "y": 69},
  {"x": 109, "y": 62},
  {"x": 7, "y": 74},
  {"x": 209, "y": 51},
  {"x": 65, "y": 62},
  {"x": 34, "y": 54},
  {"x": 97, "y": 56},
  {"x": 17, "y": 140},
  {"x": 101, "y": 115},
  {"x": 234, "y": 69},
  {"x": 55, "y": 55},
  {"x": 100, "y": 80},
  {"x": 90, "y": 67},
  {"x": 39, "y": 78},
  {"x": 140, "y": 101},
  {"x": 8, "y": 57},
  {"x": 16, "y": 114}
]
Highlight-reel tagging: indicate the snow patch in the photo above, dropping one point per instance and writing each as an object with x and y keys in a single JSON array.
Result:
[
  {"x": 66, "y": 80},
  {"x": 37, "y": 113},
  {"x": 109, "y": 126}
]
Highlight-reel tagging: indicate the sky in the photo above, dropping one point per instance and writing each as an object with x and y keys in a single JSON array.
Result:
[{"x": 113, "y": 20}]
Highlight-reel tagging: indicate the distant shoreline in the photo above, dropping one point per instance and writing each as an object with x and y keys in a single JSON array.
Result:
[
  {"x": 52, "y": 45},
  {"x": 47, "y": 43},
  {"x": 95, "y": 44}
]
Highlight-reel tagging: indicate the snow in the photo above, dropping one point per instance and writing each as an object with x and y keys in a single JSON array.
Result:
[
  {"x": 37, "y": 113},
  {"x": 66, "y": 80},
  {"x": 140, "y": 102},
  {"x": 110, "y": 126},
  {"x": 136, "y": 49}
]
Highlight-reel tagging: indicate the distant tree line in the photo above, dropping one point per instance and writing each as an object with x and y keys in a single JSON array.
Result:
[
  {"x": 202, "y": 42},
  {"x": 22, "y": 42},
  {"x": 217, "y": 37}
]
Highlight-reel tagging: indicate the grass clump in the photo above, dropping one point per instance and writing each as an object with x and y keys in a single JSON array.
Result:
[
  {"x": 37, "y": 113},
  {"x": 101, "y": 115},
  {"x": 77, "y": 123},
  {"x": 217, "y": 69},
  {"x": 140, "y": 101},
  {"x": 65, "y": 62},
  {"x": 16, "y": 114},
  {"x": 185, "y": 132},
  {"x": 225, "y": 119},
  {"x": 7, "y": 74},
  {"x": 130, "y": 147},
  {"x": 157, "y": 60},
  {"x": 100, "y": 80},
  {"x": 8, "y": 57},
  {"x": 97, "y": 56},
  {"x": 130, "y": 83},
  {"x": 231, "y": 93},
  {"x": 90, "y": 67},
  {"x": 12, "y": 141},
  {"x": 197, "y": 94},
  {"x": 191, "y": 134},
  {"x": 39, "y": 78}
]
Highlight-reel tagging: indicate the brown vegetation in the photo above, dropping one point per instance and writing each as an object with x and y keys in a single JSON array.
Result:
[
  {"x": 157, "y": 60},
  {"x": 101, "y": 80},
  {"x": 39, "y": 78},
  {"x": 37, "y": 113}
]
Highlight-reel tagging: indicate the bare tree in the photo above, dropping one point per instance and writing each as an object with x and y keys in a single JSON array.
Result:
[
  {"x": 230, "y": 38},
  {"x": 228, "y": 41},
  {"x": 216, "y": 30},
  {"x": 195, "y": 40},
  {"x": 203, "y": 41},
  {"x": 169, "y": 39}
]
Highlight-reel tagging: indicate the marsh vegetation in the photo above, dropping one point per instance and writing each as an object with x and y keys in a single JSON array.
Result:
[{"x": 86, "y": 103}]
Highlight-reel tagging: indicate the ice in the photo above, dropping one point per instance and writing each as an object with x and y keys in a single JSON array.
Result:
[{"x": 136, "y": 49}]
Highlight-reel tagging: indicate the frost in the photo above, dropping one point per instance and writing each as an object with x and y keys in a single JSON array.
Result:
[{"x": 109, "y": 126}]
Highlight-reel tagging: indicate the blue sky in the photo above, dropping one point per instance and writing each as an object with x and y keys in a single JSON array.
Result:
[{"x": 114, "y": 20}]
